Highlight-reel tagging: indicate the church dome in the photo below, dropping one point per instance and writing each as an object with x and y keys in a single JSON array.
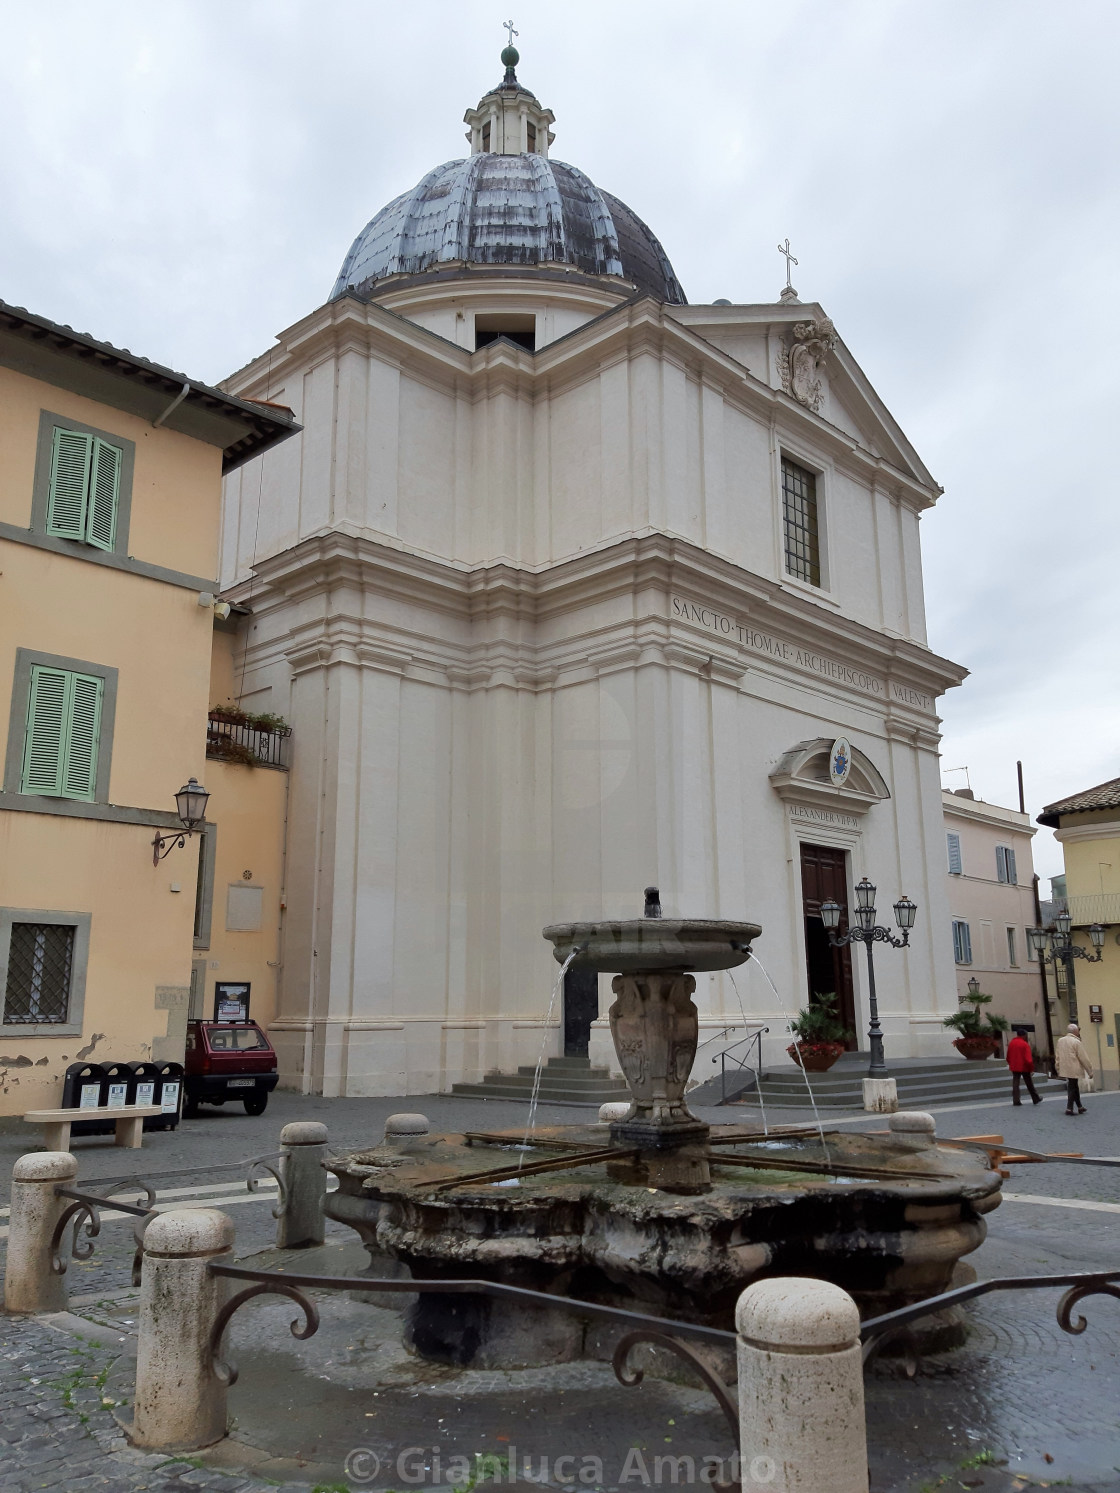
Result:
[{"x": 508, "y": 207}]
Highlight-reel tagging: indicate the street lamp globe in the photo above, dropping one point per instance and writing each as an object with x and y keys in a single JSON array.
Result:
[
  {"x": 905, "y": 912},
  {"x": 865, "y": 893},
  {"x": 830, "y": 914},
  {"x": 1096, "y": 933},
  {"x": 1036, "y": 941},
  {"x": 1064, "y": 922},
  {"x": 190, "y": 802},
  {"x": 974, "y": 986}
]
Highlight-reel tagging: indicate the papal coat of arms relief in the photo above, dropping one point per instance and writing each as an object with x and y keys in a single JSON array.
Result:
[{"x": 801, "y": 361}]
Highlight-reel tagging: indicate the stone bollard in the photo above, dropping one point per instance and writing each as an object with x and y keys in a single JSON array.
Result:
[
  {"x": 30, "y": 1285},
  {"x": 180, "y": 1404},
  {"x": 880, "y": 1095},
  {"x": 302, "y": 1223},
  {"x": 616, "y": 1109},
  {"x": 404, "y": 1132},
  {"x": 801, "y": 1412},
  {"x": 914, "y": 1129}
]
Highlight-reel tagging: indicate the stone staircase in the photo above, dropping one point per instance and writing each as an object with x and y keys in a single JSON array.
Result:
[
  {"x": 563, "y": 1081},
  {"x": 921, "y": 1084}
]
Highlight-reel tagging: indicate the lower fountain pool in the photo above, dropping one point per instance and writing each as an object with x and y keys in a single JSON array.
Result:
[{"x": 610, "y": 1224}]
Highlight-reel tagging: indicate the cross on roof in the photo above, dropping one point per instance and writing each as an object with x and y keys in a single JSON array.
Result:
[
  {"x": 790, "y": 260},
  {"x": 512, "y": 33}
]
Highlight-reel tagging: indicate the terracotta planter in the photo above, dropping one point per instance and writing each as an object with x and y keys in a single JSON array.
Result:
[
  {"x": 816, "y": 1057},
  {"x": 976, "y": 1049}
]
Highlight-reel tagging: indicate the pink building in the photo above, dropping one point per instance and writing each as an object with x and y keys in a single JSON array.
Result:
[{"x": 992, "y": 904}]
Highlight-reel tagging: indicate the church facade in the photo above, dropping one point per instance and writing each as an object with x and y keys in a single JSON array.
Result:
[{"x": 568, "y": 588}]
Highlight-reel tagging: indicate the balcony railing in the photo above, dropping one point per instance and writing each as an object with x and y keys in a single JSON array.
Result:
[
  {"x": 1100, "y": 907},
  {"x": 229, "y": 739}
]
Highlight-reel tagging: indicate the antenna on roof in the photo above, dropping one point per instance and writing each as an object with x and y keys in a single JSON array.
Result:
[{"x": 947, "y": 770}]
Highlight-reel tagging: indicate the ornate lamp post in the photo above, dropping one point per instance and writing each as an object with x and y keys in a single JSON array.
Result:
[
  {"x": 190, "y": 805},
  {"x": 867, "y": 933},
  {"x": 1062, "y": 949}
]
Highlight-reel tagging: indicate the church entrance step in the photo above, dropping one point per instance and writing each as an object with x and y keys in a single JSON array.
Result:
[
  {"x": 498, "y": 1087},
  {"x": 919, "y": 1087},
  {"x": 564, "y": 1080}
]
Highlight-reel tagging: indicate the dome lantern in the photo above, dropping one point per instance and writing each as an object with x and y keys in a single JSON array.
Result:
[
  {"x": 507, "y": 206},
  {"x": 509, "y": 121}
]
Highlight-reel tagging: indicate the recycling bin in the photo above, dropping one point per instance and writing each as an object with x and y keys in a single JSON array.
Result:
[
  {"x": 169, "y": 1096},
  {"x": 146, "y": 1081},
  {"x": 85, "y": 1086}
]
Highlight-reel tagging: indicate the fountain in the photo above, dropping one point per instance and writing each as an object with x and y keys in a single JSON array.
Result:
[{"x": 660, "y": 1212}]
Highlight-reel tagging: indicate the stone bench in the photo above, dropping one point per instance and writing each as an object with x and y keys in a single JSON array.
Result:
[{"x": 129, "y": 1123}]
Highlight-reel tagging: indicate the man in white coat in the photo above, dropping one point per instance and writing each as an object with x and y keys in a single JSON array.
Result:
[{"x": 1073, "y": 1064}]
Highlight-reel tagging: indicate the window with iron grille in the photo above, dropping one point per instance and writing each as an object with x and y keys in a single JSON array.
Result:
[
  {"x": 799, "y": 518},
  {"x": 40, "y": 971}
]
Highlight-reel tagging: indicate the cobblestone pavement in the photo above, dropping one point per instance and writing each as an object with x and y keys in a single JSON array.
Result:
[{"x": 989, "y": 1417}]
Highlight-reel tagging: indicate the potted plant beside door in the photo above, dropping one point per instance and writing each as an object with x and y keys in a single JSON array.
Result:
[
  {"x": 820, "y": 1037},
  {"x": 979, "y": 1035}
]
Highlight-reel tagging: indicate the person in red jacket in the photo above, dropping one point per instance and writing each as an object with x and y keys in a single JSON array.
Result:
[{"x": 1020, "y": 1059}]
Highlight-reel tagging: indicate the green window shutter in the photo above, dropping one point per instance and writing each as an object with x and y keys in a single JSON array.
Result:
[
  {"x": 63, "y": 732},
  {"x": 71, "y": 454},
  {"x": 46, "y": 731},
  {"x": 104, "y": 485},
  {"x": 79, "y": 770}
]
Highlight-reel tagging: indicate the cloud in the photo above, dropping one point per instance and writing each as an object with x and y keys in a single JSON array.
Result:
[{"x": 184, "y": 179}]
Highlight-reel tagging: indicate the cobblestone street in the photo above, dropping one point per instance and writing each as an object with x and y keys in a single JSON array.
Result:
[{"x": 1022, "y": 1404}]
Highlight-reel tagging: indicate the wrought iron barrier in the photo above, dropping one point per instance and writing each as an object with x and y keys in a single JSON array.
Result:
[
  {"x": 658, "y": 1332},
  {"x": 878, "y": 1331},
  {"x": 101, "y": 1192}
]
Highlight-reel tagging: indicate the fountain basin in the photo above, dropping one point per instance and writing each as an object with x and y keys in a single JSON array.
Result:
[
  {"x": 634, "y": 945},
  {"x": 605, "y": 1232}
]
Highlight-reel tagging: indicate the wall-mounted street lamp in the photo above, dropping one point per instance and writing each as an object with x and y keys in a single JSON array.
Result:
[
  {"x": 867, "y": 933},
  {"x": 190, "y": 804},
  {"x": 974, "y": 987}
]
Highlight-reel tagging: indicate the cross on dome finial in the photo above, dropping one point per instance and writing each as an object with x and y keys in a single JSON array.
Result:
[
  {"x": 788, "y": 294},
  {"x": 510, "y": 55}
]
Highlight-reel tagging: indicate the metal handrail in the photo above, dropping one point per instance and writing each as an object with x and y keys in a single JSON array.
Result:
[
  {"x": 754, "y": 1040},
  {"x": 732, "y": 1026}
]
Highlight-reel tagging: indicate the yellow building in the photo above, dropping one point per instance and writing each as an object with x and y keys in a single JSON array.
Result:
[
  {"x": 1088, "y": 826},
  {"x": 110, "y": 488},
  {"x": 239, "y": 893}
]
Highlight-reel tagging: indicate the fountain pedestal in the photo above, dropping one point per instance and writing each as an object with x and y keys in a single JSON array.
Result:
[{"x": 655, "y": 1028}]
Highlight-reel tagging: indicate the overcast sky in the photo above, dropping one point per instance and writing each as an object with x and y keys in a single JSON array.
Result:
[{"x": 184, "y": 179}]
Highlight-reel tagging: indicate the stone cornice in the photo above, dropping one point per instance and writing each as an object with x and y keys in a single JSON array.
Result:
[
  {"x": 630, "y": 330},
  {"x": 1108, "y": 830},
  {"x": 503, "y": 603}
]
